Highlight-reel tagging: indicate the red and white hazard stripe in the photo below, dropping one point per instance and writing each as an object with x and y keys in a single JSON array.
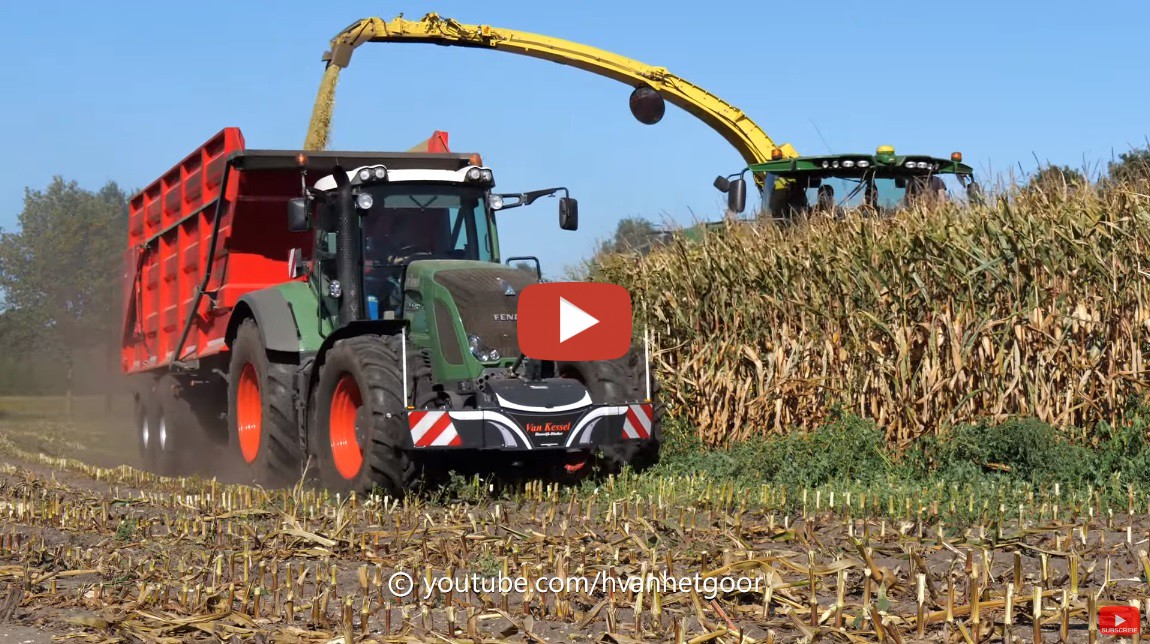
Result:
[
  {"x": 432, "y": 429},
  {"x": 637, "y": 424}
]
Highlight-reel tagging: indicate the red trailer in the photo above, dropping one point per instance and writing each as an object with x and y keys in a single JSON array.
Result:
[{"x": 192, "y": 254}]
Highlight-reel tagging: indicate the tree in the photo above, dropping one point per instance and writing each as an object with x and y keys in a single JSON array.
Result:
[
  {"x": 1053, "y": 177},
  {"x": 60, "y": 273},
  {"x": 1131, "y": 166},
  {"x": 632, "y": 235}
]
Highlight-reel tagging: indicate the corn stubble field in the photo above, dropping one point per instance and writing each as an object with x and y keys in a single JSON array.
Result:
[{"x": 932, "y": 318}]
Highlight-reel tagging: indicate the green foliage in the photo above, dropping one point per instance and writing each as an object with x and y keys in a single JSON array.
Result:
[
  {"x": 1054, "y": 177},
  {"x": 1131, "y": 166},
  {"x": 60, "y": 273},
  {"x": 1021, "y": 452},
  {"x": 632, "y": 235}
]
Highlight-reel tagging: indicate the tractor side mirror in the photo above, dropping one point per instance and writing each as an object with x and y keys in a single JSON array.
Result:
[
  {"x": 737, "y": 196},
  {"x": 568, "y": 213},
  {"x": 722, "y": 184},
  {"x": 299, "y": 214}
]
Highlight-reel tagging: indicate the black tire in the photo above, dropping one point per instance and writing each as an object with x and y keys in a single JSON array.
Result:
[
  {"x": 614, "y": 382},
  {"x": 268, "y": 443},
  {"x": 365, "y": 370},
  {"x": 183, "y": 439},
  {"x": 145, "y": 419}
]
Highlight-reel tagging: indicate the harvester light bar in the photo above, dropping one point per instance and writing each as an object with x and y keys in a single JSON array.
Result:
[
  {"x": 863, "y": 163},
  {"x": 848, "y": 163}
]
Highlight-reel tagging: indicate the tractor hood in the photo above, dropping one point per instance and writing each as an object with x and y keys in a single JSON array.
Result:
[{"x": 471, "y": 298}]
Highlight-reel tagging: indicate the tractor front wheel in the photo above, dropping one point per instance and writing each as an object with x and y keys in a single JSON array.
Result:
[
  {"x": 615, "y": 382},
  {"x": 358, "y": 424},
  {"x": 261, "y": 416}
]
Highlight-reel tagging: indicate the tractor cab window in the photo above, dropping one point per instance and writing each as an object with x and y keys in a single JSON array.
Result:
[{"x": 409, "y": 222}]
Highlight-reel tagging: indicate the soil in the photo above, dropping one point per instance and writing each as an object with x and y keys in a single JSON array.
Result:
[{"x": 96, "y": 550}]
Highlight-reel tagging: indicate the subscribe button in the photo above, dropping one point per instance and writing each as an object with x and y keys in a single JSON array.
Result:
[
  {"x": 573, "y": 321},
  {"x": 1119, "y": 620}
]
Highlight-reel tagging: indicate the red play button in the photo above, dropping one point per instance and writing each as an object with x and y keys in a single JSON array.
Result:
[{"x": 573, "y": 321}]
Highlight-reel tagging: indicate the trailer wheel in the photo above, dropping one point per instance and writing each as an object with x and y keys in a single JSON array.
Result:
[
  {"x": 261, "y": 416},
  {"x": 145, "y": 414},
  {"x": 180, "y": 435},
  {"x": 618, "y": 381},
  {"x": 358, "y": 424}
]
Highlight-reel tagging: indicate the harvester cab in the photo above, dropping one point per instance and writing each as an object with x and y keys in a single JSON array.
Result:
[{"x": 843, "y": 183}]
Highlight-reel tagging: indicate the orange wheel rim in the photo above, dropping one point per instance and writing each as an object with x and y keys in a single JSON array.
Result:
[
  {"x": 249, "y": 412},
  {"x": 345, "y": 448}
]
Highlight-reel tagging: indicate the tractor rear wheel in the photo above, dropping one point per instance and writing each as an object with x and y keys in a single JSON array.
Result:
[
  {"x": 614, "y": 382},
  {"x": 261, "y": 413},
  {"x": 358, "y": 426}
]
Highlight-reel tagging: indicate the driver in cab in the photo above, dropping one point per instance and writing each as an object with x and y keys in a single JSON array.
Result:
[{"x": 393, "y": 237}]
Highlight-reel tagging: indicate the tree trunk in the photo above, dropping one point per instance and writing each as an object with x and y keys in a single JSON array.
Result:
[
  {"x": 111, "y": 388},
  {"x": 68, "y": 395}
]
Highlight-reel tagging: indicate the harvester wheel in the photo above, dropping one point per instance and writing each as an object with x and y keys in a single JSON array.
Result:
[
  {"x": 145, "y": 419},
  {"x": 261, "y": 415},
  {"x": 358, "y": 424},
  {"x": 617, "y": 381}
]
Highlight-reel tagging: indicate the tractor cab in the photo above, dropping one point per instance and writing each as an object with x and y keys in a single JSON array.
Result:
[{"x": 841, "y": 184}]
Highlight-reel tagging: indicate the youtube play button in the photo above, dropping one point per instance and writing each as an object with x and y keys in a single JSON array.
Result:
[{"x": 574, "y": 321}]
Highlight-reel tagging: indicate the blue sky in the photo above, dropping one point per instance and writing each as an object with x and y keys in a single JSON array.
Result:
[{"x": 93, "y": 93}]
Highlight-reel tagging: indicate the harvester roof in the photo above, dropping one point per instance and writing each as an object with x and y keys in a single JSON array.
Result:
[{"x": 884, "y": 163}]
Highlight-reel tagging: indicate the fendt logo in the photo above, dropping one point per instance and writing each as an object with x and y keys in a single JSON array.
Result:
[{"x": 574, "y": 321}]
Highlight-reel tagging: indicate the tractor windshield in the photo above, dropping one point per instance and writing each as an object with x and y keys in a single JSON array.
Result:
[
  {"x": 412, "y": 221},
  {"x": 428, "y": 221}
]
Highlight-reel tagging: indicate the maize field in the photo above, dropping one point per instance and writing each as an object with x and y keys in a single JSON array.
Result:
[
  {"x": 1035, "y": 305},
  {"x": 112, "y": 554}
]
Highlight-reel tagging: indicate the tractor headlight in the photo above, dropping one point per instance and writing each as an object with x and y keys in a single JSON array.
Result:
[
  {"x": 848, "y": 164},
  {"x": 863, "y": 163},
  {"x": 495, "y": 201},
  {"x": 364, "y": 201},
  {"x": 482, "y": 352},
  {"x": 372, "y": 174},
  {"x": 474, "y": 174},
  {"x": 488, "y": 176}
]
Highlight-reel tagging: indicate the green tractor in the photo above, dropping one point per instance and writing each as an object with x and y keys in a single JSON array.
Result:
[{"x": 373, "y": 333}]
